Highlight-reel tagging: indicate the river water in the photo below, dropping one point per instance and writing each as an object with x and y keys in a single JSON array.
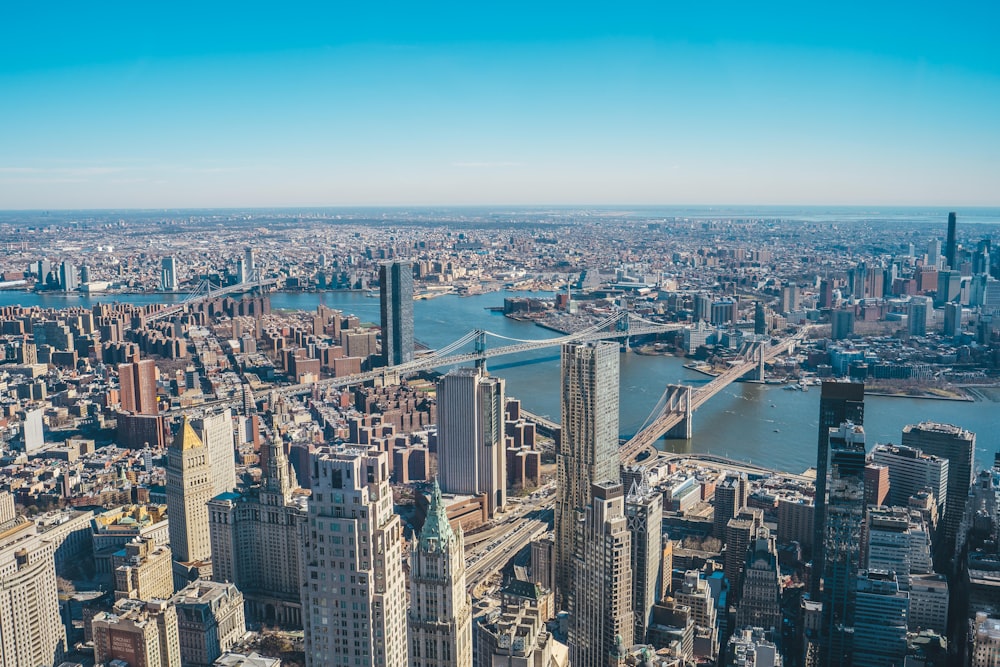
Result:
[{"x": 763, "y": 424}]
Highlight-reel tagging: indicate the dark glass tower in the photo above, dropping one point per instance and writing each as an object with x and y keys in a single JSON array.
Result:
[
  {"x": 951, "y": 250},
  {"x": 396, "y": 292},
  {"x": 842, "y": 526},
  {"x": 838, "y": 402}
]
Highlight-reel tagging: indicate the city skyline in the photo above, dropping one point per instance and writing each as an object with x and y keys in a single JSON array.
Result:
[{"x": 461, "y": 106}]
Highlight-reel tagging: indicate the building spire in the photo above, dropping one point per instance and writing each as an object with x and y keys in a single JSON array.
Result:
[{"x": 436, "y": 531}]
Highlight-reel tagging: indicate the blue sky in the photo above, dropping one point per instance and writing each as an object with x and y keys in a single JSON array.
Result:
[{"x": 195, "y": 105}]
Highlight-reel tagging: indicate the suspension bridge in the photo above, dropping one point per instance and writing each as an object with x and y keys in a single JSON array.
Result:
[
  {"x": 672, "y": 416},
  {"x": 623, "y": 324},
  {"x": 206, "y": 291}
]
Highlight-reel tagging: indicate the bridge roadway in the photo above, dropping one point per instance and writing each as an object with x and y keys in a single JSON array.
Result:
[
  {"x": 196, "y": 298},
  {"x": 644, "y": 439},
  {"x": 435, "y": 361}
]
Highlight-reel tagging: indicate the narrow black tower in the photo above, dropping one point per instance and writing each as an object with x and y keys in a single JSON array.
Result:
[
  {"x": 951, "y": 250},
  {"x": 838, "y": 402}
]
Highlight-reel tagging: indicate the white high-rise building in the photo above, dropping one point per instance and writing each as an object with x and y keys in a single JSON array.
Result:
[
  {"x": 189, "y": 488},
  {"x": 168, "y": 274},
  {"x": 588, "y": 446},
  {"x": 911, "y": 471},
  {"x": 31, "y": 629},
  {"x": 601, "y": 613},
  {"x": 440, "y": 616},
  {"x": 472, "y": 459},
  {"x": 216, "y": 432},
  {"x": 354, "y": 592}
]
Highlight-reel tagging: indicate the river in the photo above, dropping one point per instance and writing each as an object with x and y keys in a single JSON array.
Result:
[{"x": 763, "y": 424}]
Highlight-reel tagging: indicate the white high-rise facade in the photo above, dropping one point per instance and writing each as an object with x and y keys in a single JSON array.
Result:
[
  {"x": 216, "y": 431},
  {"x": 189, "y": 488},
  {"x": 472, "y": 459},
  {"x": 440, "y": 616},
  {"x": 587, "y": 452},
  {"x": 354, "y": 592}
]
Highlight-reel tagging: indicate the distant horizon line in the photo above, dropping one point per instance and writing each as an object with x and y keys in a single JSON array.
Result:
[{"x": 293, "y": 207}]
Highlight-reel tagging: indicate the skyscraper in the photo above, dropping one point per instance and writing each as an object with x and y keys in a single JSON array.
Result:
[
  {"x": 959, "y": 447},
  {"x": 644, "y": 515},
  {"x": 396, "y": 293},
  {"x": 216, "y": 432},
  {"x": 353, "y": 592},
  {"x": 843, "y": 522},
  {"x": 168, "y": 274},
  {"x": 471, "y": 455},
  {"x": 249, "y": 265},
  {"x": 440, "y": 616},
  {"x": 587, "y": 452},
  {"x": 253, "y": 531},
  {"x": 138, "y": 387},
  {"x": 760, "y": 601},
  {"x": 910, "y": 471},
  {"x": 69, "y": 279},
  {"x": 838, "y": 402},
  {"x": 601, "y": 615},
  {"x": 31, "y": 630},
  {"x": 730, "y": 498},
  {"x": 189, "y": 488},
  {"x": 880, "y": 620},
  {"x": 951, "y": 248}
]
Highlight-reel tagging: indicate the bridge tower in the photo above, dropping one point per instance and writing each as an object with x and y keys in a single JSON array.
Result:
[
  {"x": 481, "y": 349},
  {"x": 679, "y": 401},
  {"x": 622, "y": 324}
]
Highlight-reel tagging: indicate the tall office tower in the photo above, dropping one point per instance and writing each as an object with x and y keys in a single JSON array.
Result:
[
  {"x": 880, "y": 620},
  {"x": 168, "y": 274},
  {"x": 952, "y": 320},
  {"x": 876, "y": 484},
  {"x": 841, "y": 324},
  {"x": 601, "y": 617},
  {"x": 760, "y": 602},
  {"x": 959, "y": 447},
  {"x": 139, "y": 633},
  {"x": 252, "y": 531},
  {"x": 471, "y": 455},
  {"x": 741, "y": 532},
  {"x": 69, "y": 279},
  {"x": 354, "y": 587},
  {"x": 759, "y": 319},
  {"x": 916, "y": 315},
  {"x": 543, "y": 569},
  {"x": 789, "y": 298},
  {"x": 31, "y": 630},
  {"x": 588, "y": 447},
  {"x": 189, "y": 488},
  {"x": 440, "y": 616},
  {"x": 825, "y": 299},
  {"x": 844, "y": 521},
  {"x": 897, "y": 540},
  {"x": 216, "y": 432},
  {"x": 838, "y": 402},
  {"x": 138, "y": 387},
  {"x": 951, "y": 247},
  {"x": 911, "y": 471},
  {"x": 644, "y": 515},
  {"x": 396, "y": 294},
  {"x": 241, "y": 271},
  {"x": 934, "y": 253},
  {"x": 249, "y": 265},
  {"x": 730, "y": 498}
]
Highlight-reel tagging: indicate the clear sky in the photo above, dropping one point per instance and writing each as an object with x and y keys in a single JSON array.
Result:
[{"x": 156, "y": 104}]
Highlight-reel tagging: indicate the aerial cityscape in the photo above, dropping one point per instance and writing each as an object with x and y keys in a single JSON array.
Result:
[{"x": 521, "y": 335}]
